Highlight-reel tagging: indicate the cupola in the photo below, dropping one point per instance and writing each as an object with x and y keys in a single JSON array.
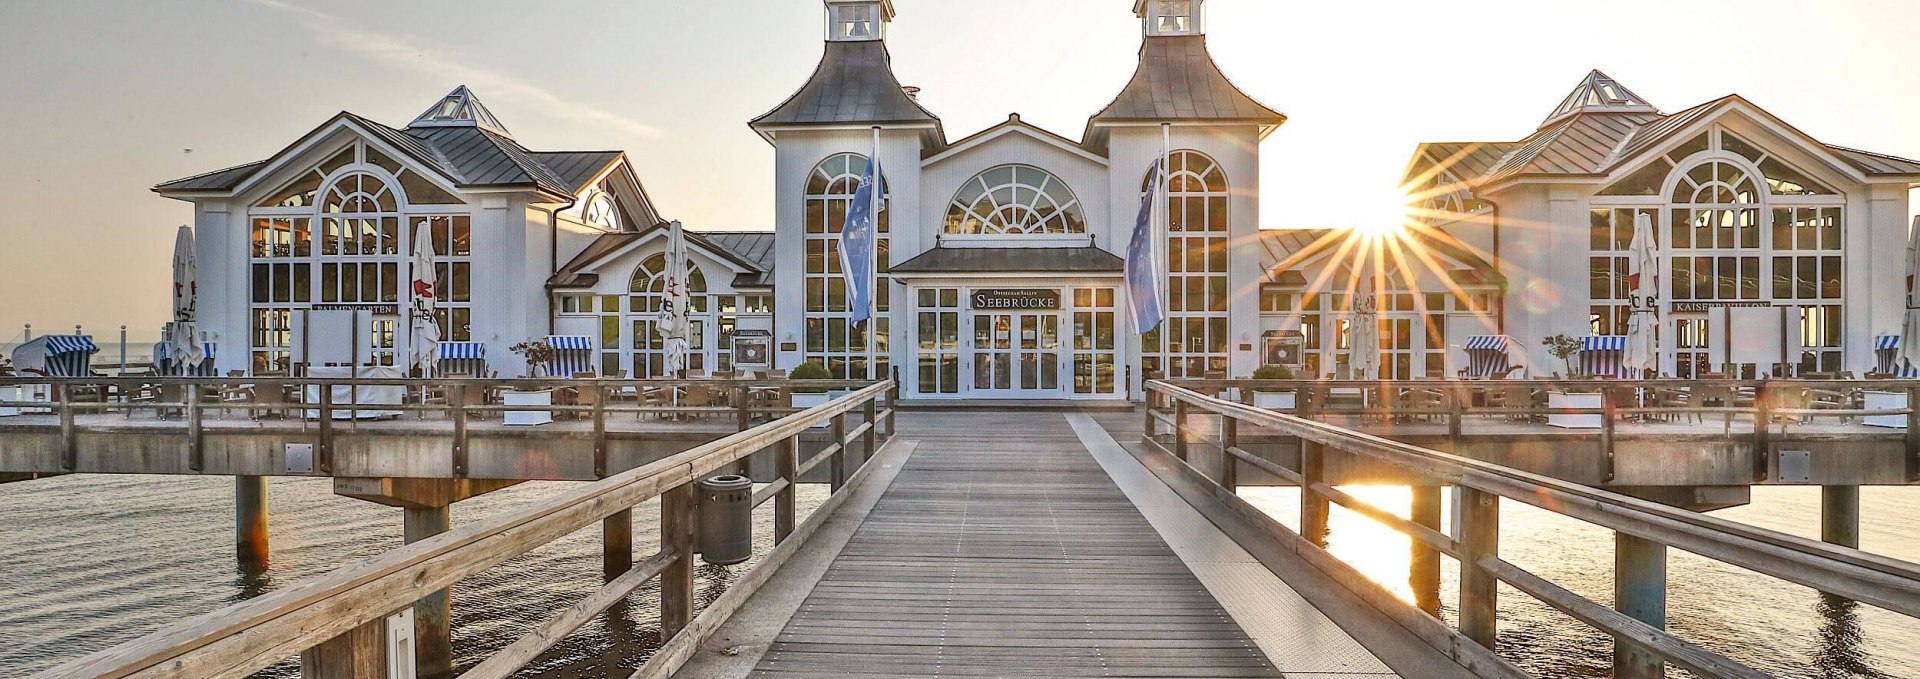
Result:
[
  {"x": 1170, "y": 17},
  {"x": 858, "y": 20}
]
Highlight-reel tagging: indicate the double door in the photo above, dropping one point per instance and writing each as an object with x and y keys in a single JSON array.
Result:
[{"x": 1016, "y": 353}]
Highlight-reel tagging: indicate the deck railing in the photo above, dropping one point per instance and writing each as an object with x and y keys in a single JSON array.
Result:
[
  {"x": 1757, "y": 407},
  {"x": 336, "y": 620},
  {"x": 1643, "y": 531},
  {"x": 312, "y": 401}
]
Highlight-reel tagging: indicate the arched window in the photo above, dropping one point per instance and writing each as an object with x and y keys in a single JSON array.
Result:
[
  {"x": 1015, "y": 200},
  {"x": 600, "y": 211},
  {"x": 1193, "y": 339},
  {"x": 848, "y": 350},
  {"x": 649, "y": 292}
]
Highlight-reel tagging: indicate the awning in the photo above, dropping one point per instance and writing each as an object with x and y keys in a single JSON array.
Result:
[
  {"x": 68, "y": 344},
  {"x": 570, "y": 342},
  {"x": 462, "y": 351}
]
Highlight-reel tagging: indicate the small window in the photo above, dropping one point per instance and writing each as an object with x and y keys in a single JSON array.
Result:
[
  {"x": 1173, "y": 16},
  {"x": 854, "y": 22}
]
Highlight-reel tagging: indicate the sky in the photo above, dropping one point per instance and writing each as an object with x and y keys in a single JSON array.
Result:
[{"x": 102, "y": 99}]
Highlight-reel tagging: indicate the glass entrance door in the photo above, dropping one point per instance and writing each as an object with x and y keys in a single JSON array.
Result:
[{"x": 1016, "y": 354}]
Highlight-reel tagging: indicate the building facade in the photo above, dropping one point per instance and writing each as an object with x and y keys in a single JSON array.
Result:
[
  {"x": 1781, "y": 254},
  {"x": 1000, "y": 252}
]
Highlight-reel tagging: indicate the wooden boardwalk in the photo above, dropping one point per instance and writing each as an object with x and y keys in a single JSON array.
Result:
[{"x": 1003, "y": 549}]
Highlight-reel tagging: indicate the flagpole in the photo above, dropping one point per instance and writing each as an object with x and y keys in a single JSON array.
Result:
[
  {"x": 873, "y": 247},
  {"x": 1164, "y": 225}
]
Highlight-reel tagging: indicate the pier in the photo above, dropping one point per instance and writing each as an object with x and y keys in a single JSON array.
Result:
[{"x": 989, "y": 542}]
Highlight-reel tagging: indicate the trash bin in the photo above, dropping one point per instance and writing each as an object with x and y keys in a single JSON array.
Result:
[{"x": 726, "y": 520}]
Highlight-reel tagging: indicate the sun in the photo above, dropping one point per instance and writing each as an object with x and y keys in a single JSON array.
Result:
[{"x": 1383, "y": 214}]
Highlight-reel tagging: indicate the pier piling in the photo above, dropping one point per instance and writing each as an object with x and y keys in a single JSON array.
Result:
[
  {"x": 1424, "y": 566},
  {"x": 1479, "y": 588},
  {"x": 1639, "y": 591},
  {"x": 250, "y": 520},
  {"x": 432, "y": 621},
  {"x": 616, "y": 543},
  {"x": 1840, "y": 515}
]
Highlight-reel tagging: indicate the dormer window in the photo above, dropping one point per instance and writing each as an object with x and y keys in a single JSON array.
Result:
[
  {"x": 849, "y": 21},
  {"x": 1171, "y": 17}
]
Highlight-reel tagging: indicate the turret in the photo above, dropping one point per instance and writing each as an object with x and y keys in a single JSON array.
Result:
[
  {"x": 858, "y": 20},
  {"x": 1166, "y": 18}
]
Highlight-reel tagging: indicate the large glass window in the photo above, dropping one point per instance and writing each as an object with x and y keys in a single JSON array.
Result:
[
  {"x": 1610, "y": 242},
  {"x": 338, "y": 235},
  {"x": 1015, "y": 200},
  {"x": 1095, "y": 354},
  {"x": 849, "y": 350},
  {"x": 937, "y": 348},
  {"x": 648, "y": 296},
  {"x": 1193, "y": 339}
]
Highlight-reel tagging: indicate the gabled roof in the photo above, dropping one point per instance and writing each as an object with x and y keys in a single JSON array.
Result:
[
  {"x": 1288, "y": 250},
  {"x": 1599, "y": 93},
  {"x": 1581, "y": 144},
  {"x": 1177, "y": 80},
  {"x": 1464, "y": 160},
  {"x": 854, "y": 84},
  {"x": 750, "y": 250},
  {"x": 1015, "y": 125},
  {"x": 468, "y": 155}
]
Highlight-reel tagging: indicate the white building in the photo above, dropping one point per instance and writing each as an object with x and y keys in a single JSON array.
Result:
[{"x": 1783, "y": 254}]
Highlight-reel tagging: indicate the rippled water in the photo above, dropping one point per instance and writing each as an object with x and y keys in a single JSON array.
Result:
[
  {"x": 1770, "y": 624},
  {"x": 87, "y": 562}
]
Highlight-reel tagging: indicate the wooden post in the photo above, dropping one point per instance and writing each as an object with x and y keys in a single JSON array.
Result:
[
  {"x": 600, "y": 447},
  {"x": 323, "y": 455},
  {"x": 871, "y": 438},
  {"x": 1423, "y": 572},
  {"x": 616, "y": 544},
  {"x": 786, "y": 461},
  {"x": 1180, "y": 430},
  {"x": 1314, "y": 508},
  {"x": 1762, "y": 431},
  {"x": 250, "y": 521},
  {"x": 196, "y": 447},
  {"x": 1229, "y": 465},
  {"x": 1150, "y": 425},
  {"x": 432, "y": 615},
  {"x": 457, "y": 399},
  {"x": 1913, "y": 433},
  {"x": 1608, "y": 414},
  {"x": 1639, "y": 591},
  {"x": 1455, "y": 414},
  {"x": 676, "y": 582},
  {"x": 1479, "y": 535},
  {"x": 742, "y": 418},
  {"x": 69, "y": 451},
  {"x": 893, "y": 405},
  {"x": 839, "y": 460},
  {"x": 358, "y": 653},
  {"x": 1840, "y": 515}
]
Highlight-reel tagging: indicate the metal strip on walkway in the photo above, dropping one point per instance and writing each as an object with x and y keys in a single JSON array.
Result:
[
  {"x": 1297, "y": 637},
  {"x": 1003, "y": 549}
]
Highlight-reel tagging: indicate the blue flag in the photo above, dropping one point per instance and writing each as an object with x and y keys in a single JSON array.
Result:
[
  {"x": 856, "y": 243},
  {"x": 1143, "y": 266}
]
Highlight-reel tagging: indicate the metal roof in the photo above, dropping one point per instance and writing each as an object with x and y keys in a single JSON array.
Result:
[
  {"x": 854, "y": 83},
  {"x": 1582, "y": 144},
  {"x": 1178, "y": 80},
  {"x": 941, "y": 260},
  {"x": 1876, "y": 163},
  {"x": 469, "y": 155},
  {"x": 1599, "y": 93},
  {"x": 1466, "y": 161},
  {"x": 460, "y": 108},
  {"x": 1287, "y": 250},
  {"x": 752, "y": 250}
]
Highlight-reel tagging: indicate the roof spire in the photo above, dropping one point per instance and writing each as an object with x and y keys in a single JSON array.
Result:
[
  {"x": 1599, "y": 93},
  {"x": 460, "y": 108}
]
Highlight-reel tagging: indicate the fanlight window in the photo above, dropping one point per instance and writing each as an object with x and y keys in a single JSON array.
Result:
[
  {"x": 1716, "y": 183},
  {"x": 600, "y": 212},
  {"x": 1015, "y": 200},
  {"x": 360, "y": 192},
  {"x": 649, "y": 284}
]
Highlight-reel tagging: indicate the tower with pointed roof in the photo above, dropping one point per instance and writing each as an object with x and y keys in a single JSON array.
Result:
[{"x": 1599, "y": 93}]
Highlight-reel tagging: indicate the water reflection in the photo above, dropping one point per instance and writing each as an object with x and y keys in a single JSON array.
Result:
[{"x": 1841, "y": 651}]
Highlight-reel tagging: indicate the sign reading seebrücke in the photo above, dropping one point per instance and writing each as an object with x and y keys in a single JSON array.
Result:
[{"x": 1016, "y": 300}]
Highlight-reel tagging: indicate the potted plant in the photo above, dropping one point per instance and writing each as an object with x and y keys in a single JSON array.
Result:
[
  {"x": 807, "y": 395},
  {"x": 1564, "y": 348},
  {"x": 1275, "y": 399},
  {"x": 537, "y": 354}
]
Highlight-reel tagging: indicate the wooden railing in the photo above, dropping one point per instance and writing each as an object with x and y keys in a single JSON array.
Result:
[
  {"x": 1644, "y": 530},
  {"x": 1758, "y": 406},
  {"x": 326, "y": 620},
  {"x": 192, "y": 401}
]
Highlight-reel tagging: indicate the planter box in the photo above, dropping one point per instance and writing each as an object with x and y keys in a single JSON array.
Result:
[
  {"x": 1886, "y": 400},
  {"x": 529, "y": 418},
  {"x": 812, "y": 400},
  {"x": 1561, "y": 399},
  {"x": 1276, "y": 400}
]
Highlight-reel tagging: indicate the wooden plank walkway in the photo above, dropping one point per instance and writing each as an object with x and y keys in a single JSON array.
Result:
[{"x": 1003, "y": 549}]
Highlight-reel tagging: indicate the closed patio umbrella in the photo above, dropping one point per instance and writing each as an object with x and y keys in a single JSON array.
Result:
[
  {"x": 673, "y": 324},
  {"x": 187, "y": 352},
  {"x": 425, "y": 349},
  {"x": 1910, "y": 327},
  {"x": 1365, "y": 333},
  {"x": 1643, "y": 276}
]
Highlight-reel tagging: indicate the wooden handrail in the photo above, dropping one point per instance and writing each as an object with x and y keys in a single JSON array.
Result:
[
  {"x": 1874, "y": 579},
  {"x": 246, "y": 637}
]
